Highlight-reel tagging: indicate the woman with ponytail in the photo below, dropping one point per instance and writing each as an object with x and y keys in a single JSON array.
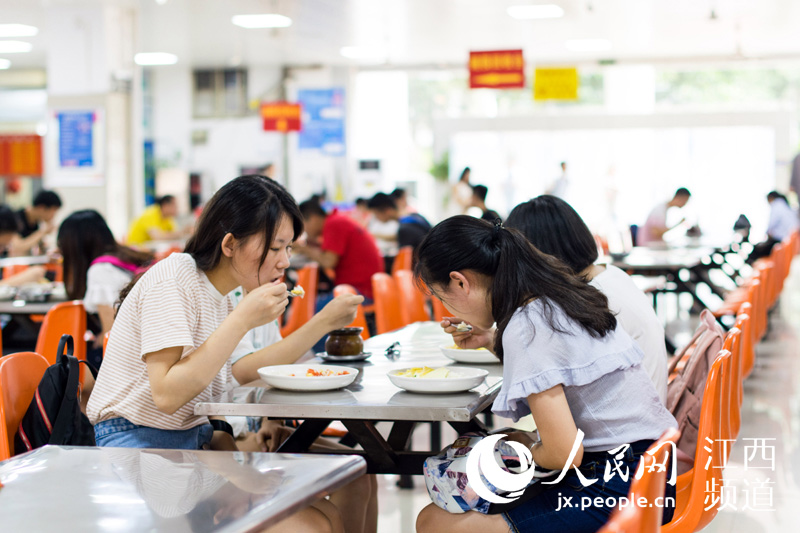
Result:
[{"x": 566, "y": 361}]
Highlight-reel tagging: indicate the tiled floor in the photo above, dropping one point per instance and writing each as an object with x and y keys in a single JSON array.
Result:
[{"x": 766, "y": 499}]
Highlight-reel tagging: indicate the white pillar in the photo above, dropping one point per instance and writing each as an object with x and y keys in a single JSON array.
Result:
[{"x": 90, "y": 68}]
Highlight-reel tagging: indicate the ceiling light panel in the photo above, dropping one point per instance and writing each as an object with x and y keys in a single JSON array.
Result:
[
  {"x": 18, "y": 30},
  {"x": 267, "y": 20},
  {"x": 15, "y": 47},
  {"x": 155, "y": 58},
  {"x": 533, "y": 12}
]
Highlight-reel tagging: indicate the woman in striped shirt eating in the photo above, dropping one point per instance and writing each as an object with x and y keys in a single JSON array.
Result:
[{"x": 176, "y": 326}]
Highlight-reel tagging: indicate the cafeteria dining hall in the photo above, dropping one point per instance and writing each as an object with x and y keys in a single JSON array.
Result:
[{"x": 399, "y": 266}]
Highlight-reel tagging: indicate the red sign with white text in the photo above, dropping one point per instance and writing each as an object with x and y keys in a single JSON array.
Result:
[
  {"x": 499, "y": 69},
  {"x": 281, "y": 116},
  {"x": 20, "y": 155}
]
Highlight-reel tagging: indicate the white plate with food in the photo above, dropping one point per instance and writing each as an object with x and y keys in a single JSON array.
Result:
[
  {"x": 308, "y": 377},
  {"x": 437, "y": 380},
  {"x": 481, "y": 356}
]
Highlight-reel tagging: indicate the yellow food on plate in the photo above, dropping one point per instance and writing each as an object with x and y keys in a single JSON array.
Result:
[
  {"x": 298, "y": 291},
  {"x": 457, "y": 347},
  {"x": 425, "y": 372}
]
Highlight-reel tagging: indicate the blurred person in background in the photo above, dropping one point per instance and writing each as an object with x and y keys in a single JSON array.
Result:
[
  {"x": 479, "y": 193},
  {"x": 360, "y": 213},
  {"x": 157, "y": 223},
  {"x": 401, "y": 199},
  {"x": 782, "y": 222},
  {"x": 460, "y": 195},
  {"x": 96, "y": 269},
  {"x": 343, "y": 246},
  {"x": 34, "y": 224},
  {"x": 656, "y": 225},
  {"x": 560, "y": 186},
  {"x": 8, "y": 232},
  {"x": 411, "y": 228}
]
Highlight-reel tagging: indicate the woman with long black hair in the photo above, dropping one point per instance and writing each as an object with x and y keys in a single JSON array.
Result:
[{"x": 565, "y": 360}]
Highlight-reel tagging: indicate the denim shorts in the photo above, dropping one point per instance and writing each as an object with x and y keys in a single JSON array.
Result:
[
  {"x": 120, "y": 433},
  {"x": 568, "y": 506}
]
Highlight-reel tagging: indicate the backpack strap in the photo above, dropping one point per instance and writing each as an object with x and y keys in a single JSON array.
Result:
[
  {"x": 64, "y": 419},
  {"x": 117, "y": 262}
]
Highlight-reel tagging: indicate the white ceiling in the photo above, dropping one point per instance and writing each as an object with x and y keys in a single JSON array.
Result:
[{"x": 415, "y": 32}]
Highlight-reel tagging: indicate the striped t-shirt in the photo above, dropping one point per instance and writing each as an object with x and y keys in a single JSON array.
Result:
[{"x": 173, "y": 304}]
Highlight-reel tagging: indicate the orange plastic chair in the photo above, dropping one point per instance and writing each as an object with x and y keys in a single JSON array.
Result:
[
  {"x": 748, "y": 346},
  {"x": 646, "y": 518},
  {"x": 387, "y": 303},
  {"x": 63, "y": 318},
  {"x": 302, "y": 309},
  {"x": 403, "y": 259},
  {"x": 733, "y": 421},
  {"x": 361, "y": 320},
  {"x": 168, "y": 252},
  {"x": 412, "y": 300},
  {"x": 20, "y": 374},
  {"x": 105, "y": 342},
  {"x": 690, "y": 507}
]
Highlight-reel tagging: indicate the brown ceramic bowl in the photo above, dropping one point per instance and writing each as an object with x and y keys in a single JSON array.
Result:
[{"x": 345, "y": 341}]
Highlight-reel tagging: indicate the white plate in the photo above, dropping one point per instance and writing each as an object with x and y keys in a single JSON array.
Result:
[
  {"x": 280, "y": 377},
  {"x": 469, "y": 356},
  {"x": 460, "y": 379}
]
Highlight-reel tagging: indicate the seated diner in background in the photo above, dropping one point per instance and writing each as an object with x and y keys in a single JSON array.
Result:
[
  {"x": 8, "y": 232},
  {"x": 34, "y": 223},
  {"x": 782, "y": 222},
  {"x": 566, "y": 360},
  {"x": 157, "y": 223},
  {"x": 343, "y": 246},
  {"x": 654, "y": 228},
  {"x": 555, "y": 228},
  {"x": 96, "y": 269}
]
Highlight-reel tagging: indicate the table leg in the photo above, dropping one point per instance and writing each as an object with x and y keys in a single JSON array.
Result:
[
  {"x": 400, "y": 439},
  {"x": 304, "y": 436},
  {"x": 381, "y": 454}
]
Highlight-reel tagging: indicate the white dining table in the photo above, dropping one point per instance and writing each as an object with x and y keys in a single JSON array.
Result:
[
  {"x": 92, "y": 489},
  {"x": 371, "y": 398}
]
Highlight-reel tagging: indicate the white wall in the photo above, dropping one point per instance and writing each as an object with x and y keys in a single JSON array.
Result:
[{"x": 231, "y": 142}]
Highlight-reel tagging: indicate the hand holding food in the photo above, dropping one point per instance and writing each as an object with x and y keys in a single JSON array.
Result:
[
  {"x": 263, "y": 305},
  {"x": 467, "y": 337},
  {"x": 297, "y": 291}
]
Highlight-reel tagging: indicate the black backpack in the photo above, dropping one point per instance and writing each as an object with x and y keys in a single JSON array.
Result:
[{"x": 54, "y": 415}]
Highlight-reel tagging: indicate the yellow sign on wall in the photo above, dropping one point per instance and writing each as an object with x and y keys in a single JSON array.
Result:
[{"x": 555, "y": 84}]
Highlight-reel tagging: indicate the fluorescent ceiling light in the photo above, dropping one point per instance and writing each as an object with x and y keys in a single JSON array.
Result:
[
  {"x": 4, "y": 64},
  {"x": 540, "y": 11},
  {"x": 14, "y": 47},
  {"x": 155, "y": 58},
  {"x": 363, "y": 52},
  {"x": 17, "y": 30},
  {"x": 588, "y": 45},
  {"x": 269, "y": 20}
]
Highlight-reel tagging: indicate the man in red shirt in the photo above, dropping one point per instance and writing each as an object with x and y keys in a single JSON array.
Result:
[{"x": 343, "y": 246}]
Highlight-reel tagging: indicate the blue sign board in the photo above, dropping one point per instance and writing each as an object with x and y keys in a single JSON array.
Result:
[
  {"x": 323, "y": 120},
  {"x": 75, "y": 144}
]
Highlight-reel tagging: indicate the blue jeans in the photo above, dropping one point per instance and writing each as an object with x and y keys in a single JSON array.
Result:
[
  {"x": 121, "y": 433},
  {"x": 549, "y": 511}
]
